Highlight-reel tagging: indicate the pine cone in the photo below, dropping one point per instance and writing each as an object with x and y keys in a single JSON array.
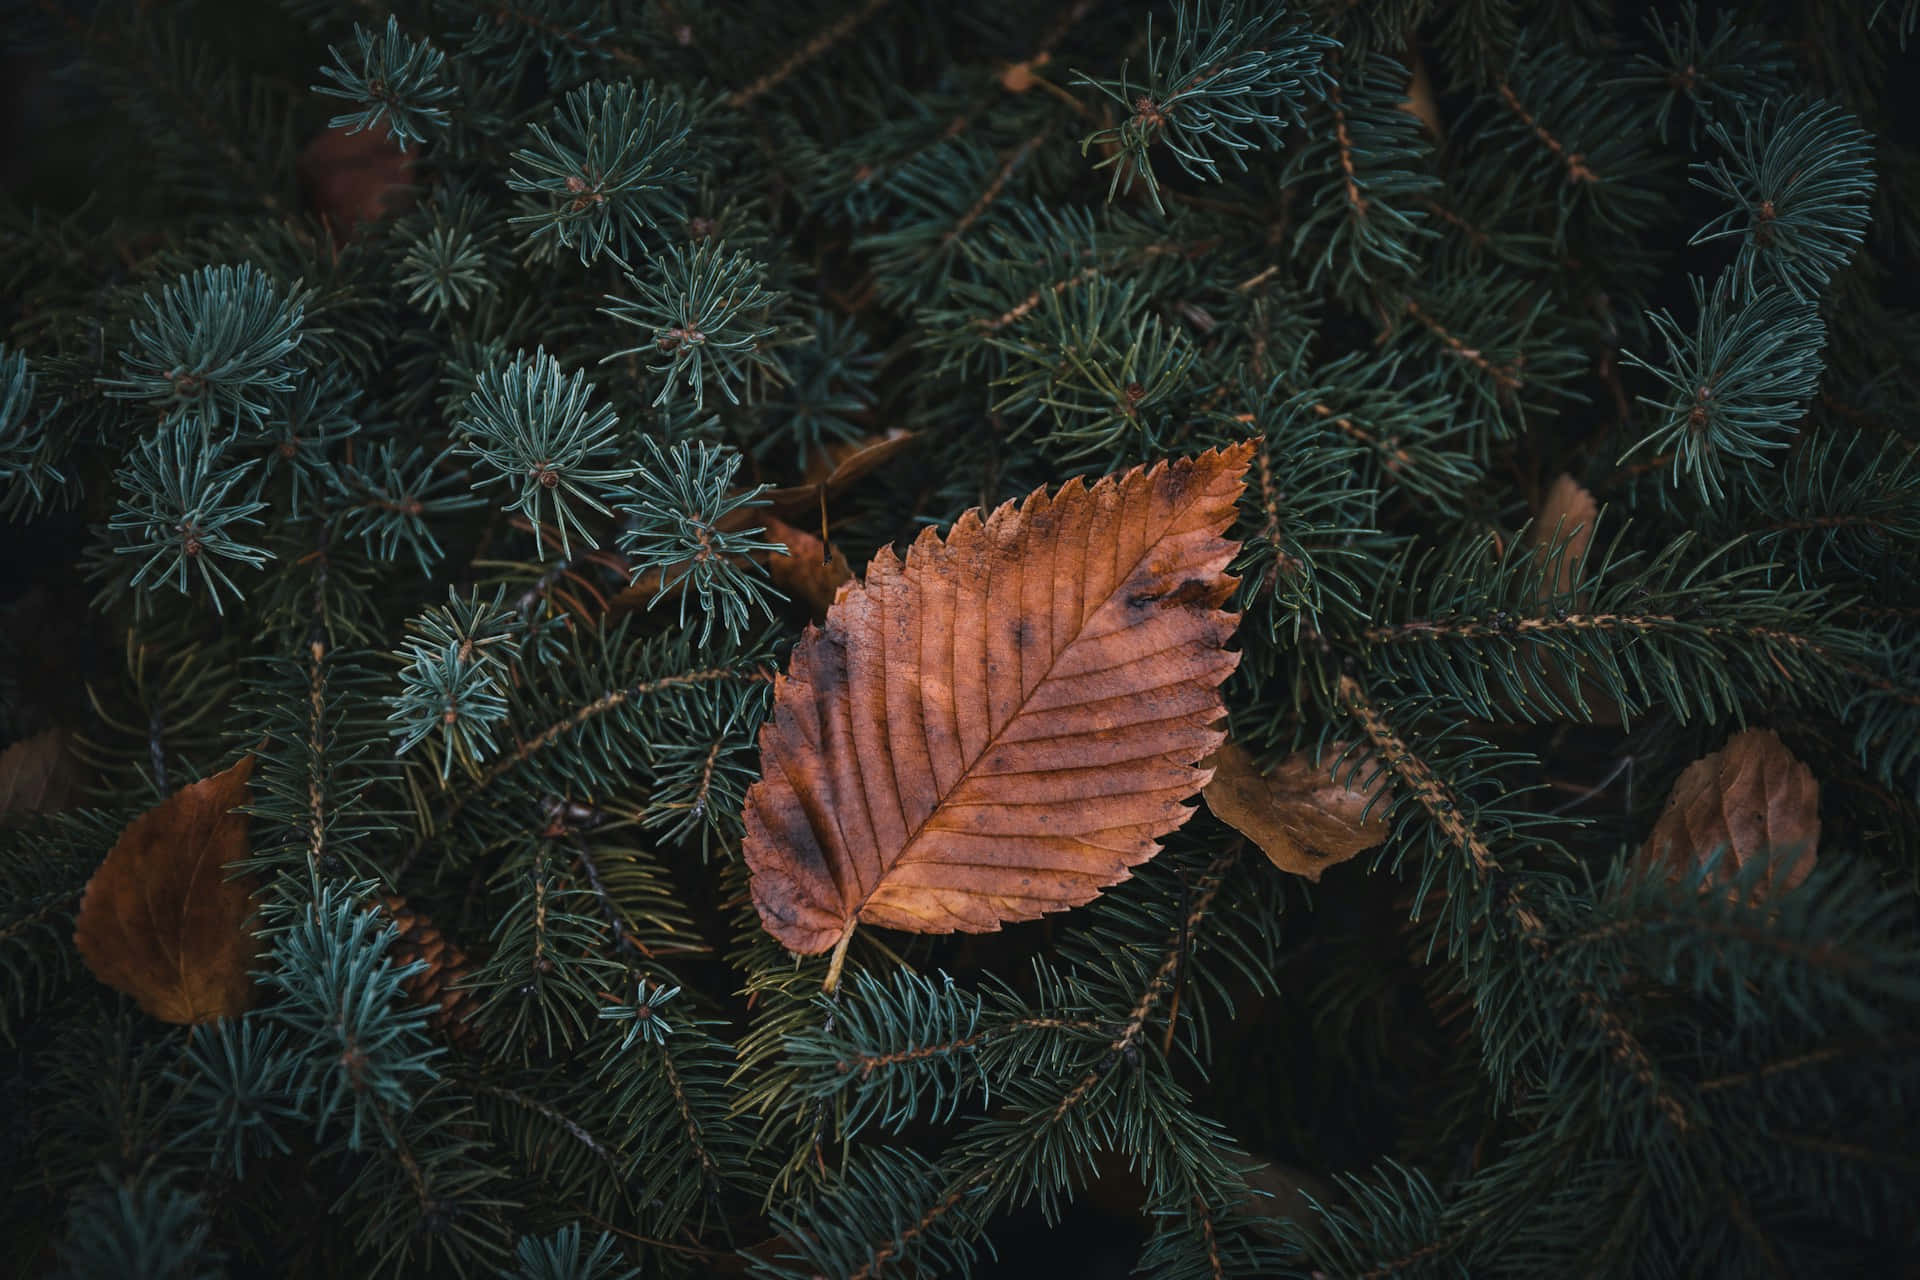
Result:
[{"x": 435, "y": 986}]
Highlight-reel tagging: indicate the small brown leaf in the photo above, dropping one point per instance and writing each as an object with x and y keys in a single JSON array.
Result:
[
  {"x": 1751, "y": 799},
  {"x": 1564, "y": 530},
  {"x": 351, "y": 178},
  {"x": 1302, "y": 818},
  {"x": 36, "y": 776},
  {"x": 1006, "y": 723},
  {"x": 161, "y": 922},
  {"x": 1019, "y": 76},
  {"x": 1420, "y": 101},
  {"x": 849, "y": 463},
  {"x": 807, "y": 572}
]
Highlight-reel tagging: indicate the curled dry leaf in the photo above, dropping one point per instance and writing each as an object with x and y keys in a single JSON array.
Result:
[
  {"x": 1420, "y": 101},
  {"x": 350, "y": 178},
  {"x": 1008, "y": 721},
  {"x": 811, "y": 571},
  {"x": 1018, "y": 77},
  {"x": 1751, "y": 798},
  {"x": 1300, "y": 815},
  {"x": 839, "y": 467},
  {"x": 36, "y": 776},
  {"x": 1565, "y": 530},
  {"x": 161, "y": 921}
]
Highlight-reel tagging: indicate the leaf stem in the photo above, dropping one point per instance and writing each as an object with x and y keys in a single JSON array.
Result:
[{"x": 839, "y": 958}]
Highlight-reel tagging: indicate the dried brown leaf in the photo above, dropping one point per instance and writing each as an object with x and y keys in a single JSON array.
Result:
[
  {"x": 37, "y": 775},
  {"x": 1008, "y": 721},
  {"x": 160, "y": 921},
  {"x": 1018, "y": 77},
  {"x": 1752, "y": 798},
  {"x": 848, "y": 462},
  {"x": 810, "y": 572},
  {"x": 806, "y": 572},
  {"x": 1420, "y": 101},
  {"x": 1564, "y": 530},
  {"x": 350, "y": 178},
  {"x": 1300, "y": 815}
]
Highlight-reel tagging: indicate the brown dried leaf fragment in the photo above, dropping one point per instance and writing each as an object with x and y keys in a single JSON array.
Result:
[
  {"x": 161, "y": 922},
  {"x": 37, "y": 775},
  {"x": 849, "y": 462},
  {"x": 1564, "y": 531},
  {"x": 811, "y": 571},
  {"x": 1752, "y": 798},
  {"x": 1006, "y": 723},
  {"x": 1300, "y": 815},
  {"x": 354, "y": 178}
]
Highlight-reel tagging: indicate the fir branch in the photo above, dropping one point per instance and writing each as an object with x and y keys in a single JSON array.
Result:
[
  {"x": 821, "y": 42},
  {"x": 397, "y": 80}
]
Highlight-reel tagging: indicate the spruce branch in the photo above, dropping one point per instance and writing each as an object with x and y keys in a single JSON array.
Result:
[
  {"x": 215, "y": 344},
  {"x": 452, "y": 262},
  {"x": 707, "y": 315},
  {"x": 181, "y": 509},
  {"x": 301, "y": 428},
  {"x": 533, "y": 429},
  {"x": 241, "y": 1085},
  {"x": 366, "y": 1044},
  {"x": 1227, "y": 71},
  {"x": 140, "y": 1227},
  {"x": 454, "y": 682},
  {"x": 386, "y": 494},
  {"x": 394, "y": 78},
  {"x": 563, "y": 1255},
  {"x": 1737, "y": 386},
  {"x": 28, "y": 475},
  {"x": 611, "y": 167},
  {"x": 1798, "y": 183},
  {"x": 679, "y": 524},
  {"x": 1717, "y": 73}
]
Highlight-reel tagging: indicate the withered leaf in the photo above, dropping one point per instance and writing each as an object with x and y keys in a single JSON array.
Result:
[
  {"x": 36, "y": 776},
  {"x": 806, "y": 572},
  {"x": 160, "y": 921},
  {"x": 1752, "y": 798},
  {"x": 354, "y": 178},
  {"x": 1564, "y": 530},
  {"x": 1005, "y": 723},
  {"x": 810, "y": 572},
  {"x": 1305, "y": 816},
  {"x": 849, "y": 463},
  {"x": 1420, "y": 102}
]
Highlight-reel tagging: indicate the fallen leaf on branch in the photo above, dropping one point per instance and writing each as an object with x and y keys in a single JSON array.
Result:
[
  {"x": 1020, "y": 76},
  {"x": 1420, "y": 101},
  {"x": 1006, "y": 723},
  {"x": 36, "y": 776},
  {"x": 1300, "y": 815},
  {"x": 350, "y": 178},
  {"x": 1564, "y": 531},
  {"x": 810, "y": 572},
  {"x": 161, "y": 922},
  {"x": 1750, "y": 799},
  {"x": 848, "y": 462}
]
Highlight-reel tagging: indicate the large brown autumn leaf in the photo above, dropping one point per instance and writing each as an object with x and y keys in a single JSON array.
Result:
[
  {"x": 160, "y": 921},
  {"x": 1008, "y": 721}
]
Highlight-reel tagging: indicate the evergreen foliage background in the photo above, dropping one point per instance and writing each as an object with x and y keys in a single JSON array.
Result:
[{"x": 442, "y": 514}]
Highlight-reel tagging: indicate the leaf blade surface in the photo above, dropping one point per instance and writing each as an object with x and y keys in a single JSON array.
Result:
[{"x": 1004, "y": 723}]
